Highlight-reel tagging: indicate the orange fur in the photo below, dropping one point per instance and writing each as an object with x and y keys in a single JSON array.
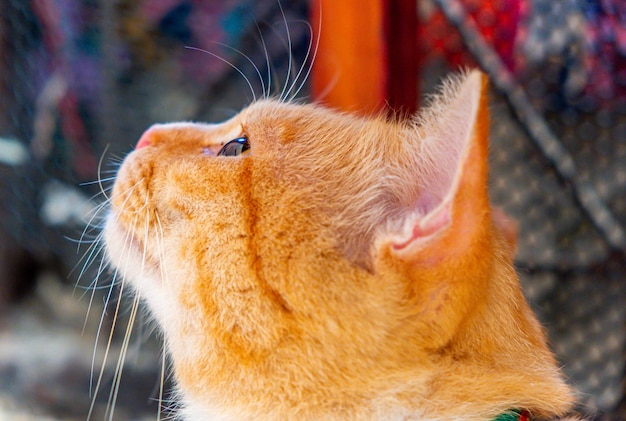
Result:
[{"x": 348, "y": 268}]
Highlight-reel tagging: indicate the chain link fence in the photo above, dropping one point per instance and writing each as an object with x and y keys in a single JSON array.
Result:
[{"x": 81, "y": 80}]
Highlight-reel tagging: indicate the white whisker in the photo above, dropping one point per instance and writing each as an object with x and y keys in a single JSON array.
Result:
[
  {"x": 94, "y": 287},
  {"x": 230, "y": 64},
  {"x": 117, "y": 378},
  {"x": 163, "y": 271},
  {"x": 95, "y": 249},
  {"x": 162, "y": 383},
  {"x": 99, "y": 287},
  {"x": 129, "y": 235},
  {"x": 315, "y": 51},
  {"x": 266, "y": 93},
  {"x": 98, "y": 181},
  {"x": 107, "y": 349},
  {"x": 304, "y": 63},
  {"x": 247, "y": 58},
  {"x": 87, "y": 240},
  {"x": 100, "y": 170},
  {"x": 282, "y": 96},
  {"x": 95, "y": 212},
  {"x": 88, "y": 256}
]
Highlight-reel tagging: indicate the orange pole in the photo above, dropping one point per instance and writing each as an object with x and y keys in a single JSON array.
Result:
[{"x": 350, "y": 68}]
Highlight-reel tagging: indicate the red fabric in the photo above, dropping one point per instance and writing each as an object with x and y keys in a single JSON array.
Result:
[{"x": 497, "y": 20}]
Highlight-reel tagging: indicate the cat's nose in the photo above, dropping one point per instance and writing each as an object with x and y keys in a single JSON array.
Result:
[{"x": 144, "y": 140}]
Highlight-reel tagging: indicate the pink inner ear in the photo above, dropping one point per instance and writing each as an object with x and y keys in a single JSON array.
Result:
[
  {"x": 430, "y": 225},
  {"x": 444, "y": 153}
]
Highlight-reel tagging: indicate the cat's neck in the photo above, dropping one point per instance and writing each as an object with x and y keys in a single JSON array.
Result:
[{"x": 514, "y": 370}]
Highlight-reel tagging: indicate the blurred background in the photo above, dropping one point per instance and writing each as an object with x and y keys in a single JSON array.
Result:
[{"x": 80, "y": 80}]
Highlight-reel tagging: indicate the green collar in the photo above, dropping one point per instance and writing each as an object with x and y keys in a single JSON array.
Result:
[{"x": 513, "y": 415}]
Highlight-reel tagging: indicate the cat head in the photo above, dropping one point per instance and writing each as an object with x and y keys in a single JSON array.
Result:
[{"x": 305, "y": 261}]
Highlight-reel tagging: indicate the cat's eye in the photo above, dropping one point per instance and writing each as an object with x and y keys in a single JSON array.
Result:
[{"x": 236, "y": 147}]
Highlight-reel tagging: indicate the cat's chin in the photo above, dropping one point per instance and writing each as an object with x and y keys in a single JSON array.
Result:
[
  {"x": 201, "y": 411},
  {"x": 127, "y": 257},
  {"x": 127, "y": 254}
]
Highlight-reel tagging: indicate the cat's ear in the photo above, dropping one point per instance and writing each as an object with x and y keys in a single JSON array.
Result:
[{"x": 452, "y": 206}]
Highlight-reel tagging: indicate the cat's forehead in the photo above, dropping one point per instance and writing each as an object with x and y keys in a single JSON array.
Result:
[
  {"x": 269, "y": 109},
  {"x": 290, "y": 122}
]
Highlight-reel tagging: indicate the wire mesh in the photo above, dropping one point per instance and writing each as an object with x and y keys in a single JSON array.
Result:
[
  {"x": 558, "y": 162},
  {"x": 80, "y": 80}
]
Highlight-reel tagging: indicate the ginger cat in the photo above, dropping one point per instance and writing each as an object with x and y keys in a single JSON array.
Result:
[{"x": 306, "y": 264}]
